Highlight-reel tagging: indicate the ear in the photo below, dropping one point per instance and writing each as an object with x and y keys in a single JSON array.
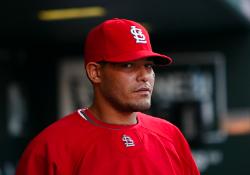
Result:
[{"x": 93, "y": 72}]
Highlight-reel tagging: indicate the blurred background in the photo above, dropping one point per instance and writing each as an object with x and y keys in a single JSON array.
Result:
[{"x": 205, "y": 92}]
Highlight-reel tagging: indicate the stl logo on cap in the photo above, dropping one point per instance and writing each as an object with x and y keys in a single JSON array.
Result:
[{"x": 138, "y": 35}]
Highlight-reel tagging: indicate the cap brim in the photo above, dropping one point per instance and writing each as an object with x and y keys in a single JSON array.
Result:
[{"x": 159, "y": 59}]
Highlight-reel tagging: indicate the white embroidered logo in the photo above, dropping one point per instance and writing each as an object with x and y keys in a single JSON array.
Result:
[
  {"x": 128, "y": 141},
  {"x": 138, "y": 35}
]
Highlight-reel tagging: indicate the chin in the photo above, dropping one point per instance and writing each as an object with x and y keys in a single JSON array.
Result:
[{"x": 141, "y": 106}]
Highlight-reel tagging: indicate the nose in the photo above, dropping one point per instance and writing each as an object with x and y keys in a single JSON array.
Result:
[{"x": 145, "y": 74}]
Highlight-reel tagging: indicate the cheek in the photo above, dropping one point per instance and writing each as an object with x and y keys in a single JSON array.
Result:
[
  {"x": 123, "y": 84},
  {"x": 152, "y": 79},
  {"x": 116, "y": 86},
  {"x": 123, "y": 87}
]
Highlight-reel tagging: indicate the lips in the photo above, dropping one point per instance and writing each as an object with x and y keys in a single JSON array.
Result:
[{"x": 143, "y": 90}]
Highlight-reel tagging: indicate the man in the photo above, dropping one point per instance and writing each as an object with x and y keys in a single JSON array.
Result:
[{"x": 112, "y": 136}]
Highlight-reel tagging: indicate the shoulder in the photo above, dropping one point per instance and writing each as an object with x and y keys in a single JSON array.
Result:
[
  {"x": 165, "y": 131},
  {"x": 61, "y": 136},
  {"x": 155, "y": 123},
  {"x": 65, "y": 128},
  {"x": 55, "y": 144},
  {"x": 159, "y": 126}
]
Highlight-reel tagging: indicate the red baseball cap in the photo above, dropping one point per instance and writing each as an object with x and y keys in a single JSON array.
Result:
[{"x": 120, "y": 40}]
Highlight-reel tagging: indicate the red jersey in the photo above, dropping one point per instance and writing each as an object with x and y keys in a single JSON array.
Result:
[{"x": 79, "y": 144}]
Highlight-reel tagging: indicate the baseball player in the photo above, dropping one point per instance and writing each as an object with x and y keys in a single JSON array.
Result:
[{"x": 112, "y": 136}]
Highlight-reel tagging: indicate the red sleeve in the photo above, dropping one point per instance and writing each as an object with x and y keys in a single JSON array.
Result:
[
  {"x": 189, "y": 165},
  {"x": 36, "y": 160}
]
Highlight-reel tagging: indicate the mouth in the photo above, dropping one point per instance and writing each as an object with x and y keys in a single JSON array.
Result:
[{"x": 144, "y": 91}]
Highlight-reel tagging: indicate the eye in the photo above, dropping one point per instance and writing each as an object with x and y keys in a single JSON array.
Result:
[
  {"x": 149, "y": 65},
  {"x": 127, "y": 65}
]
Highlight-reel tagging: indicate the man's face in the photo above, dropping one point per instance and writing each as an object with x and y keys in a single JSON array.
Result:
[{"x": 128, "y": 86}]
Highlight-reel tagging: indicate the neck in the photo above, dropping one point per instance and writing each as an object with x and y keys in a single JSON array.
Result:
[{"x": 112, "y": 116}]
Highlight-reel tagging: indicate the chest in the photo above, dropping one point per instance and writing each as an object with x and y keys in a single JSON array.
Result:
[{"x": 127, "y": 152}]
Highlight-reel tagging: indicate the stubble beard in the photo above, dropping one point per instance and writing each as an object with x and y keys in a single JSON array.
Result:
[
  {"x": 139, "y": 107},
  {"x": 130, "y": 106}
]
